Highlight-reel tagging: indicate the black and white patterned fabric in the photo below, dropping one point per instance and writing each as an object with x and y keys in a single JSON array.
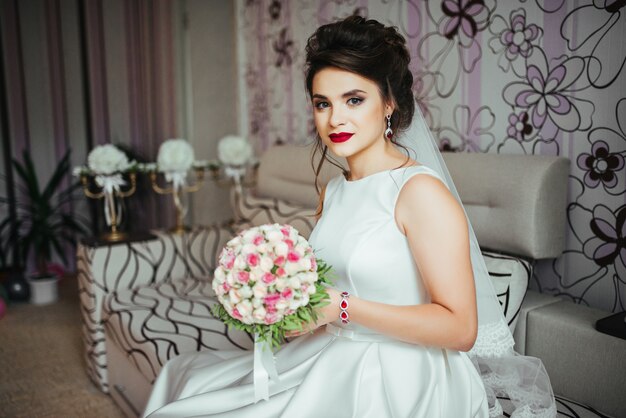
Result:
[
  {"x": 510, "y": 277},
  {"x": 106, "y": 269},
  {"x": 251, "y": 211},
  {"x": 155, "y": 323}
]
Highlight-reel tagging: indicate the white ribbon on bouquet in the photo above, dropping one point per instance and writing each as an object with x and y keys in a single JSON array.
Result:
[{"x": 264, "y": 369}]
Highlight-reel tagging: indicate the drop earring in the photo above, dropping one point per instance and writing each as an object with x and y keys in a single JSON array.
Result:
[{"x": 388, "y": 131}]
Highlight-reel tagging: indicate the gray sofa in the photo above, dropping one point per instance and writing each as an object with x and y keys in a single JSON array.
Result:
[{"x": 146, "y": 302}]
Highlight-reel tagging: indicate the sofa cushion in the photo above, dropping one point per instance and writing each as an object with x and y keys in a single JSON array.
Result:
[
  {"x": 155, "y": 323},
  {"x": 510, "y": 277},
  {"x": 253, "y": 210}
]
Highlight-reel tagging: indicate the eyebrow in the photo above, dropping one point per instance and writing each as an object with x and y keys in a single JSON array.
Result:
[{"x": 346, "y": 94}]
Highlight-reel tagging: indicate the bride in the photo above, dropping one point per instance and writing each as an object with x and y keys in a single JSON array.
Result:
[{"x": 413, "y": 328}]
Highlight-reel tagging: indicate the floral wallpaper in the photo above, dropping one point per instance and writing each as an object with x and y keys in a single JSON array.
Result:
[{"x": 515, "y": 77}]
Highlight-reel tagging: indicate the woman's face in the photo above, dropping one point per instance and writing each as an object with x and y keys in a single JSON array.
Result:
[{"x": 348, "y": 110}]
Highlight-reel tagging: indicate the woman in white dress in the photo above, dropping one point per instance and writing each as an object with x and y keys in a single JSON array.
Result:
[{"x": 400, "y": 246}]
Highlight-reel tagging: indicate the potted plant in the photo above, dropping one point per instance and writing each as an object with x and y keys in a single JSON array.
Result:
[{"x": 44, "y": 224}]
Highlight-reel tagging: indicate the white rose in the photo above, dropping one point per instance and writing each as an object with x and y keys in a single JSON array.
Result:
[
  {"x": 234, "y": 296},
  {"x": 249, "y": 235},
  {"x": 310, "y": 289},
  {"x": 234, "y": 150},
  {"x": 262, "y": 248},
  {"x": 295, "y": 304},
  {"x": 281, "y": 284},
  {"x": 227, "y": 304},
  {"x": 240, "y": 262},
  {"x": 274, "y": 236},
  {"x": 230, "y": 278},
  {"x": 245, "y": 292},
  {"x": 256, "y": 274},
  {"x": 305, "y": 263},
  {"x": 295, "y": 283},
  {"x": 259, "y": 314},
  {"x": 257, "y": 303},
  {"x": 281, "y": 249},
  {"x": 281, "y": 305},
  {"x": 309, "y": 277},
  {"x": 248, "y": 249},
  {"x": 216, "y": 286},
  {"x": 175, "y": 155},
  {"x": 301, "y": 249},
  {"x": 245, "y": 308},
  {"x": 292, "y": 268},
  {"x": 266, "y": 263},
  {"x": 259, "y": 290},
  {"x": 304, "y": 300},
  {"x": 219, "y": 274},
  {"x": 107, "y": 159},
  {"x": 235, "y": 242}
]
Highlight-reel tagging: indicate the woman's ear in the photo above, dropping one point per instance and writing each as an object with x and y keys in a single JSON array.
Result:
[{"x": 389, "y": 108}]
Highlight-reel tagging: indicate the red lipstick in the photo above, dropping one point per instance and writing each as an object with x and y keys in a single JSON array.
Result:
[{"x": 340, "y": 137}]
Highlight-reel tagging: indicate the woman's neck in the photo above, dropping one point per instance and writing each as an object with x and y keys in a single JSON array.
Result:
[{"x": 383, "y": 155}]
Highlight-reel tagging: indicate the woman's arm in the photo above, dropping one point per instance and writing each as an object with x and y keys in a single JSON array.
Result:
[{"x": 437, "y": 232}]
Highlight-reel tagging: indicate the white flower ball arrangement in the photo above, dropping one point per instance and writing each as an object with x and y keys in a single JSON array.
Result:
[
  {"x": 234, "y": 150},
  {"x": 268, "y": 282},
  {"x": 107, "y": 160},
  {"x": 175, "y": 155}
]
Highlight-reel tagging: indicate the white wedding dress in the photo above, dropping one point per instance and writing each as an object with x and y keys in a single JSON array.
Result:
[{"x": 340, "y": 370}]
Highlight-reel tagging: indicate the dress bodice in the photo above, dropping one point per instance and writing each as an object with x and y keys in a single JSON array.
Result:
[{"x": 358, "y": 236}]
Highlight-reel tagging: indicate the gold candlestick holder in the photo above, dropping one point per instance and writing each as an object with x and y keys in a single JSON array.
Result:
[
  {"x": 110, "y": 189},
  {"x": 177, "y": 193},
  {"x": 223, "y": 176}
]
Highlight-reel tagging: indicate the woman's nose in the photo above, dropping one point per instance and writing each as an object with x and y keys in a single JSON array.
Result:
[{"x": 337, "y": 117}]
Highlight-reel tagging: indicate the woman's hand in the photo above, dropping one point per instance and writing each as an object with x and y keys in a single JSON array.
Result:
[{"x": 325, "y": 315}]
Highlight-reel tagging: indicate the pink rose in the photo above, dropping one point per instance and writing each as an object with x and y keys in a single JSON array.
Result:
[
  {"x": 285, "y": 231},
  {"x": 253, "y": 260},
  {"x": 287, "y": 293},
  {"x": 226, "y": 287},
  {"x": 293, "y": 256},
  {"x": 258, "y": 240},
  {"x": 270, "y": 300},
  {"x": 236, "y": 314},
  {"x": 280, "y": 261},
  {"x": 228, "y": 260},
  {"x": 289, "y": 243},
  {"x": 270, "y": 318},
  {"x": 280, "y": 272},
  {"x": 313, "y": 264},
  {"x": 268, "y": 278},
  {"x": 243, "y": 276}
]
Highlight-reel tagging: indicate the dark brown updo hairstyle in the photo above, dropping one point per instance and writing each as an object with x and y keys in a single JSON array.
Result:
[{"x": 372, "y": 50}]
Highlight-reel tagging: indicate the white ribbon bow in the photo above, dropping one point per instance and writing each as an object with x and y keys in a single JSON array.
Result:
[
  {"x": 235, "y": 172},
  {"x": 110, "y": 183},
  {"x": 177, "y": 178},
  {"x": 264, "y": 369}
]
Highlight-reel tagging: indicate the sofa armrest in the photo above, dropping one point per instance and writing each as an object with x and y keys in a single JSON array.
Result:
[
  {"x": 583, "y": 363},
  {"x": 108, "y": 268},
  {"x": 251, "y": 210}
]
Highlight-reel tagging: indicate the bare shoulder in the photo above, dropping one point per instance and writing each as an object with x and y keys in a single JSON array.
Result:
[{"x": 425, "y": 200}]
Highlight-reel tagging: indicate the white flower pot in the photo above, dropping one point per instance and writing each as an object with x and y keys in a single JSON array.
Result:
[{"x": 43, "y": 290}]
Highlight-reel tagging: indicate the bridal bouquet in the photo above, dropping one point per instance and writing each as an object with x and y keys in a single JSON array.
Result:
[{"x": 268, "y": 282}]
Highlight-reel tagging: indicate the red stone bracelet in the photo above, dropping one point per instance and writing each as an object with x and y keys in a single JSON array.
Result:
[{"x": 343, "y": 305}]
